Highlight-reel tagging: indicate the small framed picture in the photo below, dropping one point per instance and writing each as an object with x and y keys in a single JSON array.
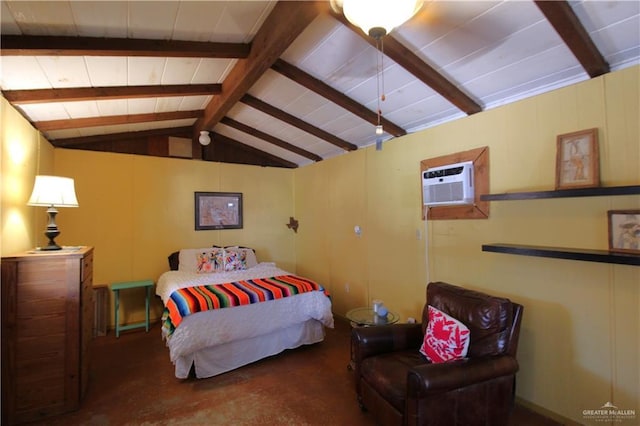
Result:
[
  {"x": 577, "y": 160},
  {"x": 218, "y": 210},
  {"x": 624, "y": 231}
]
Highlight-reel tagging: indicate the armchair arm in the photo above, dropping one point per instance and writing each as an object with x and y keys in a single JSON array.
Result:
[
  {"x": 369, "y": 341},
  {"x": 439, "y": 378}
]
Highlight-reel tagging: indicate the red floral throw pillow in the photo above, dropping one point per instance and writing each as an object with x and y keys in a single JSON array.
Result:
[{"x": 446, "y": 338}]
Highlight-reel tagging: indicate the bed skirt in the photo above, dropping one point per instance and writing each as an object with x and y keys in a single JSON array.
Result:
[{"x": 219, "y": 359}]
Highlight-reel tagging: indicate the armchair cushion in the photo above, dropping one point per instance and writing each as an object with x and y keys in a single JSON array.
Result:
[
  {"x": 446, "y": 338},
  {"x": 387, "y": 374}
]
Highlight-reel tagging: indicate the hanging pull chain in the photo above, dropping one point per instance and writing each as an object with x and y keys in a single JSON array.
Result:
[
  {"x": 380, "y": 90},
  {"x": 380, "y": 82},
  {"x": 382, "y": 97}
]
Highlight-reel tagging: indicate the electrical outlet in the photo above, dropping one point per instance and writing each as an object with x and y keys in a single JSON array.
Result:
[{"x": 346, "y": 287}]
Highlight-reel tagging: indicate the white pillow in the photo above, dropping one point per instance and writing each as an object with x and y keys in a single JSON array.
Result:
[{"x": 188, "y": 258}]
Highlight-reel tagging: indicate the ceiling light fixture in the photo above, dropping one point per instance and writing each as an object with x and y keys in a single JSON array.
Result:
[
  {"x": 378, "y": 17},
  {"x": 204, "y": 138}
]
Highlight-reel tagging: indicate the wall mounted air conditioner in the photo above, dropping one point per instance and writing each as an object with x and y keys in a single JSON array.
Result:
[{"x": 448, "y": 185}]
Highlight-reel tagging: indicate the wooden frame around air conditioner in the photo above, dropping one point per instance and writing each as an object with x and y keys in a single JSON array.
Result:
[{"x": 479, "y": 209}]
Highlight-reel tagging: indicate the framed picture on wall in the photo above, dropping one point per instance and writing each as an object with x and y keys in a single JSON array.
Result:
[
  {"x": 624, "y": 231},
  {"x": 218, "y": 210},
  {"x": 577, "y": 160}
]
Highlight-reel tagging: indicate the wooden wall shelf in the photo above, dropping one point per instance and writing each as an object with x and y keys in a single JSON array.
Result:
[
  {"x": 564, "y": 193},
  {"x": 559, "y": 252},
  {"x": 564, "y": 253}
]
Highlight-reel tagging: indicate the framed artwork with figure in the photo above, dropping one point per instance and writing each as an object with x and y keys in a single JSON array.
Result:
[
  {"x": 624, "y": 231},
  {"x": 577, "y": 160},
  {"x": 218, "y": 210}
]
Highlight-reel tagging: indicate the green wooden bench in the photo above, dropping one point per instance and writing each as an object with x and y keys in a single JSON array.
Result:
[{"x": 116, "y": 287}]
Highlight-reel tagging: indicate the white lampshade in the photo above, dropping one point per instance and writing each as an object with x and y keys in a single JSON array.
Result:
[
  {"x": 385, "y": 14},
  {"x": 53, "y": 191},
  {"x": 204, "y": 138}
]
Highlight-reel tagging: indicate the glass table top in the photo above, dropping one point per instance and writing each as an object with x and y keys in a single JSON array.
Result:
[{"x": 367, "y": 317}]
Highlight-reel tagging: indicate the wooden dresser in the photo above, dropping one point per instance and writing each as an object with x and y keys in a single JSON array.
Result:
[{"x": 47, "y": 320}]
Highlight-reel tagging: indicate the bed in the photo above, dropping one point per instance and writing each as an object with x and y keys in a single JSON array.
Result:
[{"x": 209, "y": 341}]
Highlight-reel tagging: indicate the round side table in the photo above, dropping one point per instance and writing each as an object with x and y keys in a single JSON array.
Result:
[{"x": 366, "y": 317}]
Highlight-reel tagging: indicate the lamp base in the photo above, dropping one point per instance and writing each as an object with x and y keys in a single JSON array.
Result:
[
  {"x": 50, "y": 248},
  {"x": 52, "y": 231}
]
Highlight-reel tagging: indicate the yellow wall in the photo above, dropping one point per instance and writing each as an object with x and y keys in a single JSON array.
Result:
[
  {"x": 136, "y": 210},
  {"x": 24, "y": 153},
  {"x": 580, "y": 339}
]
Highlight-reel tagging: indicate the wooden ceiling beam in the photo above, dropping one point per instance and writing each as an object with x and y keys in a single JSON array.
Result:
[
  {"x": 420, "y": 69},
  {"x": 268, "y": 138},
  {"x": 110, "y": 92},
  {"x": 335, "y": 96},
  {"x": 169, "y": 131},
  {"x": 570, "y": 29},
  {"x": 283, "y": 25},
  {"x": 296, "y": 122},
  {"x": 21, "y": 45},
  {"x": 110, "y": 120}
]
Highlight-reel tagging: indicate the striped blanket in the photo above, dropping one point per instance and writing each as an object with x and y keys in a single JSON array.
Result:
[{"x": 189, "y": 300}]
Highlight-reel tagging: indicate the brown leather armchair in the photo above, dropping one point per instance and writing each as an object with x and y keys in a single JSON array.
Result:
[{"x": 400, "y": 386}]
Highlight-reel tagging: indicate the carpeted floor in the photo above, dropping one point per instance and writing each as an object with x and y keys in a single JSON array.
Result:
[{"x": 133, "y": 383}]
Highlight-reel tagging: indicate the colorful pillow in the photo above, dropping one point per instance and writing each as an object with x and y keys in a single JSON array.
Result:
[
  {"x": 445, "y": 339},
  {"x": 188, "y": 258},
  {"x": 235, "y": 260},
  {"x": 209, "y": 261},
  {"x": 248, "y": 253}
]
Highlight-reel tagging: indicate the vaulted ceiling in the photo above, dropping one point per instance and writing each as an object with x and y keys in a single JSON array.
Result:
[{"x": 288, "y": 83}]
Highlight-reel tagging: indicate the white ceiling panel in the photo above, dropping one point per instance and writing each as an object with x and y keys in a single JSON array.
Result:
[
  {"x": 191, "y": 103},
  {"x": 65, "y": 71},
  {"x": 44, "y": 112},
  {"x": 260, "y": 144},
  {"x": 528, "y": 76},
  {"x": 601, "y": 15},
  {"x": 100, "y": 19},
  {"x": 174, "y": 103},
  {"x": 43, "y": 17},
  {"x": 107, "y": 71},
  {"x": 281, "y": 92},
  {"x": 180, "y": 70},
  {"x": 21, "y": 73},
  {"x": 121, "y": 128},
  {"x": 305, "y": 46},
  {"x": 145, "y": 71},
  {"x": 212, "y": 71},
  {"x": 81, "y": 109},
  {"x": 9, "y": 25},
  {"x": 241, "y": 20},
  {"x": 113, "y": 107},
  {"x": 152, "y": 19},
  {"x": 142, "y": 106}
]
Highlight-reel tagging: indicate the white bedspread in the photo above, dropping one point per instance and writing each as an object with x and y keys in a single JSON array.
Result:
[{"x": 218, "y": 326}]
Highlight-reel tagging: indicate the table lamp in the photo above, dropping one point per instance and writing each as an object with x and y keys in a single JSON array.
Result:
[{"x": 52, "y": 192}]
